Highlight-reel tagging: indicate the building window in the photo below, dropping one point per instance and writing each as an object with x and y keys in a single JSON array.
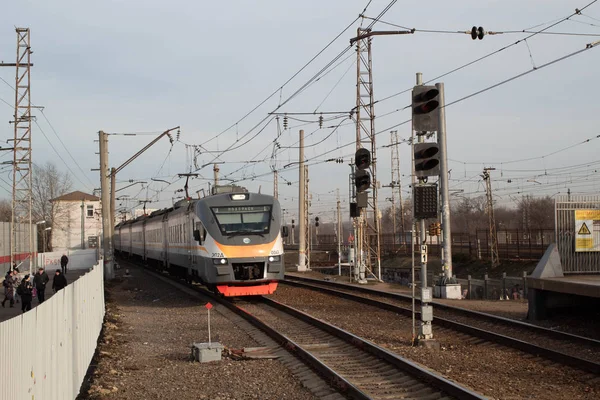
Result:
[{"x": 90, "y": 211}]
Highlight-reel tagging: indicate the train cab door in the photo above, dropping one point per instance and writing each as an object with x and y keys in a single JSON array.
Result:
[
  {"x": 165, "y": 247},
  {"x": 144, "y": 240},
  {"x": 189, "y": 238},
  {"x": 129, "y": 242}
]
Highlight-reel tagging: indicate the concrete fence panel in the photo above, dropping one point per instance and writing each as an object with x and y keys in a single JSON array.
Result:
[{"x": 46, "y": 351}]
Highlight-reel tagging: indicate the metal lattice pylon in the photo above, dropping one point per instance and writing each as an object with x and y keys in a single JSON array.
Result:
[
  {"x": 492, "y": 221},
  {"x": 397, "y": 183},
  {"x": 368, "y": 226},
  {"x": 22, "y": 172}
]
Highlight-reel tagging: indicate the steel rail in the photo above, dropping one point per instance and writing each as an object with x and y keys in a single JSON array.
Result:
[
  {"x": 559, "y": 335},
  {"x": 401, "y": 363},
  {"x": 557, "y": 356},
  {"x": 337, "y": 381}
]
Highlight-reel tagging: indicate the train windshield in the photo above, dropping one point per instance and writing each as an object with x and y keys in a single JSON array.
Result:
[{"x": 243, "y": 219}]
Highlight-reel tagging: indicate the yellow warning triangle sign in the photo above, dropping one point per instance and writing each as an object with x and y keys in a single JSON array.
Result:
[{"x": 584, "y": 230}]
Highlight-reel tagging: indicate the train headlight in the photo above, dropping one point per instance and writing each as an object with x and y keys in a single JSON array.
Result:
[
  {"x": 274, "y": 258},
  {"x": 219, "y": 261}
]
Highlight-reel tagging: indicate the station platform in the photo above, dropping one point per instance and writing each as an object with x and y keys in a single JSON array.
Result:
[
  {"x": 552, "y": 292},
  {"x": 8, "y": 313},
  {"x": 583, "y": 285}
]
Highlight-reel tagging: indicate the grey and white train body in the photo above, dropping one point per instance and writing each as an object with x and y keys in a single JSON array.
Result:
[{"x": 232, "y": 242}]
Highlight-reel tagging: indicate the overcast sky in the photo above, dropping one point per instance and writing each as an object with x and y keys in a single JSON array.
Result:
[{"x": 147, "y": 66}]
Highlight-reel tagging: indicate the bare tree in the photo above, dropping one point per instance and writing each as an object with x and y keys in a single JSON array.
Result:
[
  {"x": 48, "y": 183},
  {"x": 5, "y": 210},
  {"x": 536, "y": 213},
  {"x": 469, "y": 214}
]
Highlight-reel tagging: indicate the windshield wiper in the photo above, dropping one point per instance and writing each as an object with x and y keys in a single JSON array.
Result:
[{"x": 238, "y": 233}]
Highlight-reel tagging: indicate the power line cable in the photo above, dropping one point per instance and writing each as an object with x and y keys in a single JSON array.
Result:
[
  {"x": 61, "y": 158},
  {"x": 65, "y": 147},
  {"x": 280, "y": 88},
  {"x": 530, "y": 158},
  {"x": 588, "y": 47},
  {"x": 309, "y": 82},
  {"x": 488, "y": 55}
]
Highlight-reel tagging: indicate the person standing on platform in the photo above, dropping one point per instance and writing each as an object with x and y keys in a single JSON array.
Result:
[
  {"x": 39, "y": 281},
  {"x": 64, "y": 260},
  {"x": 59, "y": 281},
  {"x": 8, "y": 284},
  {"x": 16, "y": 279},
  {"x": 26, "y": 292}
]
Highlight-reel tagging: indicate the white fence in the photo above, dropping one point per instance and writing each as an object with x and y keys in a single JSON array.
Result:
[
  {"x": 78, "y": 259},
  {"x": 45, "y": 352}
]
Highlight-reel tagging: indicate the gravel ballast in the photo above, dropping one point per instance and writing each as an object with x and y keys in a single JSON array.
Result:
[
  {"x": 145, "y": 352},
  {"x": 495, "y": 371}
]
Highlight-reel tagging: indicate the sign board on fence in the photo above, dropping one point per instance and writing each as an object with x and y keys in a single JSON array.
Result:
[{"x": 587, "y": 230}]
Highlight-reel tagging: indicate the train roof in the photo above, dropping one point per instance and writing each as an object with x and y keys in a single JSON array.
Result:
[
  {"x": 232, "y": 198},
  {"x": 212, "y": 200}
]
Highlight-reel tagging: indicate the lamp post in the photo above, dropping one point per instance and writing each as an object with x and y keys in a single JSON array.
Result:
[
  {"x": 43, "y": 248},
  {"x": 45, "y": 237}
]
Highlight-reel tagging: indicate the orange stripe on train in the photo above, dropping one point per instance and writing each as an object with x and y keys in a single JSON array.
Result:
[{"x": 257, "y": 250}]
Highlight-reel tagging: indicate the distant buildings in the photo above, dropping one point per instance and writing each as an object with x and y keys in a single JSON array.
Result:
[{"x": 77, "y": 222}]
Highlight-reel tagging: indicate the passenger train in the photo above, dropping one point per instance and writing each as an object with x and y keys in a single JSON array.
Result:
[{"x": 231, "y": 242}]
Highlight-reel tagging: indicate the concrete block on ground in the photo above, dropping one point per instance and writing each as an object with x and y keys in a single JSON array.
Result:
[
  {"x": 205, "y": 352},
  {"x": 451, "y": 291}
]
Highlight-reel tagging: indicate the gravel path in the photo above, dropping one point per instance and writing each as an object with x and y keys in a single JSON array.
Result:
[
  {"x": 145, "y": 352},
  {"x": 495, "y": 371}
]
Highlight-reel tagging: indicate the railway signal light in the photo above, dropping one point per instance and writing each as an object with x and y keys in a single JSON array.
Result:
[
  {"x": 425, "y": 201},
  {"x": 477, "y": 33},
  {"x": 425, "y": 108},
  {"x": 362, "y": 180},
  {"x": 354, "y": 210},
  {"x": 362, "y": 158},
  {"x": 427, "y": 162},
  {"x": 431, "y": 229},
  {"x": 435, "y": 229}
]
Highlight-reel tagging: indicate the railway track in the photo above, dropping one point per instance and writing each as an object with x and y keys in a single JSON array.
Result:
[
  {"x": 567, "y": 349},
  {"x": 354, "y": 367}
]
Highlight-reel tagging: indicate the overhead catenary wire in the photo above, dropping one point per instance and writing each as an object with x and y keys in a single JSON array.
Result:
[
  {"x": 479, "y": 59},
  {"x": 61, "y": 158},
  {"x": 61, "y": 142},
  {"x": 311, "y": 80},
  {"x": 588, "y": 47},
  {"x": 344, "y": 146},
  {"x": 532, "y": 158},
  {"x": 280, "y": 88},
  {"x": 65, "y": 147}
]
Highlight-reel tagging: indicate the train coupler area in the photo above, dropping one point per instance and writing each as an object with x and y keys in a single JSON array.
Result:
[{"x": 248, "y": 271}]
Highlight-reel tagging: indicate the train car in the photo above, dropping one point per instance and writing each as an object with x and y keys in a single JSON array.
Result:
[{"x": 231, "y": 242}]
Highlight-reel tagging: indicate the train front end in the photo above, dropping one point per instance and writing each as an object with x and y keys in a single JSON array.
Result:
[{"x": 240, "y": 234}]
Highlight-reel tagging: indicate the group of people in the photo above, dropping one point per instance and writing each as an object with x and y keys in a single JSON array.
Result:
[{"x": 28, "y": 288}]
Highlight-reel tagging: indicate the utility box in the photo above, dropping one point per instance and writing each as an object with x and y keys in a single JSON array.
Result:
[
  {"x": 426, "y": 313},
  {"x": 206, "y": 352}
]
